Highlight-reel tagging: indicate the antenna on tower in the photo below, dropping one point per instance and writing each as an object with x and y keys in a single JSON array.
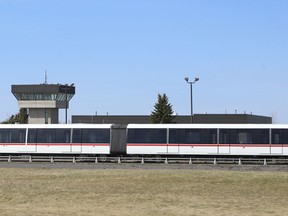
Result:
[{"x": 46, "y": 78}]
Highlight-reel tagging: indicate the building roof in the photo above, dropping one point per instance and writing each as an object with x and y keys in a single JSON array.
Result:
[
  {"x": 43, "y": 88},
  {"x": 43, "y": 92},
  {"x": 179, "y": 119}
]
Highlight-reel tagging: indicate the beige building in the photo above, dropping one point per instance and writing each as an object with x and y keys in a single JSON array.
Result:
[{"x": 44, "y": 101}]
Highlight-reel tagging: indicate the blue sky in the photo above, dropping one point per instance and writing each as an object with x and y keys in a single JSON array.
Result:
[{"x": 121, "y": 53}]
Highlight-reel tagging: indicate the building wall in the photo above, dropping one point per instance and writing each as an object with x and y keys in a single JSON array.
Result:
[
  {"x": 43, "y": 116},
  {"x": 185, "y": 119},
  {"x": 43, "y": 104},
  {"x": 43, "y": 101}
]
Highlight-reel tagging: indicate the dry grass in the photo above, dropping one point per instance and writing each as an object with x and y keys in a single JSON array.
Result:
[{"x": 142, "y": 192}]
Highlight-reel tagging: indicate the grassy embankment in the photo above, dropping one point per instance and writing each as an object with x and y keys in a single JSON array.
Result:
[{"x": 142, "y": 192}]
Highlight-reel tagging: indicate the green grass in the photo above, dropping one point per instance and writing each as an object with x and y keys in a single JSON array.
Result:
[{"x": 142, "y": 192}]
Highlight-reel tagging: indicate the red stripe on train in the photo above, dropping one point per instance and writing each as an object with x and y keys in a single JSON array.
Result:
[
  {"x": 55, "y": 144},
  {"x": 206, "y": 145}
]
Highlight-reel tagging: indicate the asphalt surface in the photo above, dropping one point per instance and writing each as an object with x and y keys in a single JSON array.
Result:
[{"x": 154, "y": 166}]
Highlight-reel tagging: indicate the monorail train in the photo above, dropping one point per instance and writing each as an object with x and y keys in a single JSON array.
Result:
[{"x": 146, "y": 139}]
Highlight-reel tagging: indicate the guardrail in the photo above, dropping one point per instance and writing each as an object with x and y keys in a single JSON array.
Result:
[{"x": 143, "y": 160}]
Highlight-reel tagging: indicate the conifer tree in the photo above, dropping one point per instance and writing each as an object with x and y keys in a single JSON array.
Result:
[
  {"x": 19, "y": 118},
  {"x": 163, "y": 112}
]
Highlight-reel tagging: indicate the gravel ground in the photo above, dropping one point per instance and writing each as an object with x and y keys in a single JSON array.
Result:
[{"x": 55, "y": 165}]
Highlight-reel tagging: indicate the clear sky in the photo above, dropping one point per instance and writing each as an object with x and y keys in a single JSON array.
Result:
[{"x": 121, "y": 53}]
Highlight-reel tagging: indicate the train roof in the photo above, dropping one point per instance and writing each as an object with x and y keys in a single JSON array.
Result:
[
  {"x": 207, "y": 126},
  {"x": 143, "y": 126},
  {"x": 54, "y": 126}
]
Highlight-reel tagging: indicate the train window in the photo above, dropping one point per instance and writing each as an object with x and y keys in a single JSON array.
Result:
[
  {"x": 76, "y": 138},
  {"x": 52, "y": 136},
  {"x": 12, "y": 135},
  {"x": 31, "y": 136},
  {"x": 193, "y": 136},
  {"x": 244, "y": 136},
  {"x": 279, "y": 136},
  {"x": 147, "y": 136},
  {"x": 224, "y": 137},
  {"x": 92, "y": 135}
]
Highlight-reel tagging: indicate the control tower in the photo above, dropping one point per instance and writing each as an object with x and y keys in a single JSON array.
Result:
[{"x": 44, "y": 101}]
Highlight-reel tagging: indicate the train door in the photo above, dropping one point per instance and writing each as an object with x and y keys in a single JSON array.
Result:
[
  {"x": 172, "y": 141},
  {"x": 173, "y": 148},
  {"x": 75, "y": 140},
  {"x": 278, "y": 137},
  {"x": 31, "y": 140},
  {"x": 223, "y": 141},
  {"x": 276, "y": 149}
]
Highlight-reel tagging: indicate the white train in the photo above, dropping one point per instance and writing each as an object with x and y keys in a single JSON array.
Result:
[{"x": 146, "y": 139}]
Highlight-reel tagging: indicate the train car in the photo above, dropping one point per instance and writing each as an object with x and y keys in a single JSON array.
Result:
[
  {"x": 56, "y": 139},
  {"x": 208, "y": 139},
  {"x": 146, "y": 139}
]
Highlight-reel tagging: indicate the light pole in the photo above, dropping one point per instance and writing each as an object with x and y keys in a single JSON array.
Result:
[{"x": 191, "y": 83}]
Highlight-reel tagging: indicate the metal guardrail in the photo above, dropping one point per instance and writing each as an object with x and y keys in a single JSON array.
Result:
[{"x": 143, "y": 160}]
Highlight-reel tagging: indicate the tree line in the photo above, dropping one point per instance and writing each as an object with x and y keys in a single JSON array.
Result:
[{"x": 20, "y": 118}]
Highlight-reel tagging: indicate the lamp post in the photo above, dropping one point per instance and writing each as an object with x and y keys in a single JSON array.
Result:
[{"x": 191, "y": 83}]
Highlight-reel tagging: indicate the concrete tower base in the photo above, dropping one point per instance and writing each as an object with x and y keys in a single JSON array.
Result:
[{"x": 43, "y": 116}]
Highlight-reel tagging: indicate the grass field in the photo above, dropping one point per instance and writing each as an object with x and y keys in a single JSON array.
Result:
[{"x": 142, "y": 192}]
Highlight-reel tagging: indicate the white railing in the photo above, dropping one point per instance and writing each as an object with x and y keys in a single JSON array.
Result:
[{"x": 144, "y": 160}]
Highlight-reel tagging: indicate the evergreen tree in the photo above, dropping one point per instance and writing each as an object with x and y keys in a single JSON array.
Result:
[
  {"x": 19, "y": 118},
  {"x": 23, "y": 116},
  {"x": 163, "y": 112}
]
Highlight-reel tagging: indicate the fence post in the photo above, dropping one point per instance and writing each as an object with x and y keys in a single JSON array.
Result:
[
  {"x": 240, "y": 161},
  {"x": 166, "y": 161}
]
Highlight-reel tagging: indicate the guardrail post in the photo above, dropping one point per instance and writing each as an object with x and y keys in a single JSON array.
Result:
[
  {"x": 9, "y": 159},
  {"x": 215, "y": 161},
  {"x": 119, "y": 160},
  {"x": 265, "y": 161},
  {"x": 142, "y": 161},
  {"x": 190, "y": 161},
  {"x": 74, "y": 160},
  {"x": 166, "y": 161},
  {"x": 96, "y": 160},
  {"x": 240, "y": 161},
  {"x": 30, "y": 159},
  {"x": 52, "y": 159}
]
